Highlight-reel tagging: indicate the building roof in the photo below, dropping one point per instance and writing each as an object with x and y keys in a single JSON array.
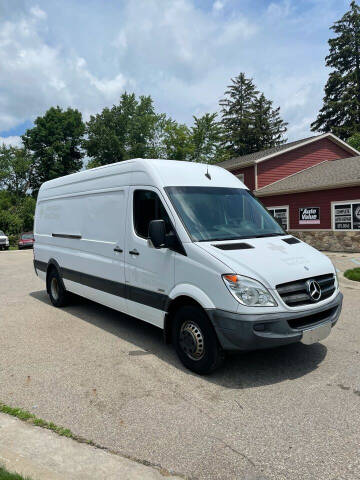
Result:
[
  {"x": 331, "y": 174},
  {"x": 256, "y": 157}
]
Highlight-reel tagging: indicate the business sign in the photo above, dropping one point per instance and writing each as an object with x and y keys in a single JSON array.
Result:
[
  {"x": 309, "y": 215},
  {"x": 342, "y": 218},
  {"x": 356, "y": 216},
  {"x": 281, "y": 215}
]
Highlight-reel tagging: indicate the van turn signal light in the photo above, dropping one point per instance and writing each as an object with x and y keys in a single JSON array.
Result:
[{"x": 231, "y": 278}]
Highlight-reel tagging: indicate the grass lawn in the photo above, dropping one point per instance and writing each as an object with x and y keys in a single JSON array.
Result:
[
  {"x": 6, "y": 475},
  {"x": 353, "y": 274}
]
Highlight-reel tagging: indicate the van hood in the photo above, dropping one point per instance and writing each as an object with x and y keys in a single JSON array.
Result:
[{"x": 271, "y": 260}]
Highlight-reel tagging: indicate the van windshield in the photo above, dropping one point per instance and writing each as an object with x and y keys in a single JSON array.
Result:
[
  {"x": 2, "y": 233},
  {"x": 217, "y": 213}
]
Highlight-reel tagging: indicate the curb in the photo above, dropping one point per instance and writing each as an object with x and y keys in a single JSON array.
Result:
[{"x": 41, "y": 454}]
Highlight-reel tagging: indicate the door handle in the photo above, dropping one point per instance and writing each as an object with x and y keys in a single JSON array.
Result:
[
  {"x": 134, "y": 252},
  {"x": 118, "y": 249}
]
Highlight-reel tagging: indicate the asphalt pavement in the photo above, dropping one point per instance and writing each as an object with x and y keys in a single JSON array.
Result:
[{"x": 287, "y": 414}]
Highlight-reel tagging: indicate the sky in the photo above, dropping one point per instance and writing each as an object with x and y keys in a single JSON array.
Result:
[{"x": 85, "y": 53}]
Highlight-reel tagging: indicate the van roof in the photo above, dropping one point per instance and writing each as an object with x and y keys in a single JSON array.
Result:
[{"x": 156, "y": 172}]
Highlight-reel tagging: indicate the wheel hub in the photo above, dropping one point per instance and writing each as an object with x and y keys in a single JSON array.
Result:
[
  {"x": 54, "y": 288},
  {"x": 192, "y": 340}
]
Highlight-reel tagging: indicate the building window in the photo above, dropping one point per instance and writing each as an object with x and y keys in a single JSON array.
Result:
[
  {"x": 241, "y": 177},
  {"x": 281, "y": 214},
  {"x": 346, "y": 215}
]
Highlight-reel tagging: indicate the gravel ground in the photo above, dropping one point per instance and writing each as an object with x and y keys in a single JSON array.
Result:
[{"x": 290, "y": 413}]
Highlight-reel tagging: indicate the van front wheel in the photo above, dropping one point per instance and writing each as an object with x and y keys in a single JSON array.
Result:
[
  {"x": 195, "y": 340},
  {"x": 57, "y": 293}
]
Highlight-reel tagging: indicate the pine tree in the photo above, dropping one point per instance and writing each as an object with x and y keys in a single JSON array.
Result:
[
  {"x": 354, "y": 141},
  {"x": 237, "y": 116},
  {"x": 249, "y": 121},
  {"x": 269, "y": 127},
  {"x": 340, "y": 113}
]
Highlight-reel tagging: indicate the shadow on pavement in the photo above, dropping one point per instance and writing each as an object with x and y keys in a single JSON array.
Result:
[{"x": 244, "y": 370}]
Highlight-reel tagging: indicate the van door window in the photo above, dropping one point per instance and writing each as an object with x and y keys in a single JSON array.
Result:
[{"x": 147, "y": 207}]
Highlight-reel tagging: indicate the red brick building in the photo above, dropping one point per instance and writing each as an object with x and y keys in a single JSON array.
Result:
[{"x": 312, "y": 186}]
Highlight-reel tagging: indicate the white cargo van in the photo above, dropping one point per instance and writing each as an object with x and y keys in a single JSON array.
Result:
[{"x": 187, "y": 248}]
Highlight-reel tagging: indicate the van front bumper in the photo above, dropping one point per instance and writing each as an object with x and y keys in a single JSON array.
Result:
[{"x": 238, "y": 332}]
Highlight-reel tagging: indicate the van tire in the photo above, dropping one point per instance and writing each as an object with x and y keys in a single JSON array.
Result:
[
  {"x": 58, "y": 295},
  {"x": 195, "y": 340}
]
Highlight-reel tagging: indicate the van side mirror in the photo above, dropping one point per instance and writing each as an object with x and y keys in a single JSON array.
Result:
[{"x": 157, "y": 233}]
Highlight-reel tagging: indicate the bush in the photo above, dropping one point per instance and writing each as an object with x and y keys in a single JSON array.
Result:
[
  {"x": 16, "y": 214},
  {"x": 10, "y": 223},
  {"x": 353, "y": 274},
  {"x": 13, "y": 240}
]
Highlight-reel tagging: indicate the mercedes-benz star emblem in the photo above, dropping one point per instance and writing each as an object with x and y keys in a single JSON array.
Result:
[{"x": 314, "y": 290}]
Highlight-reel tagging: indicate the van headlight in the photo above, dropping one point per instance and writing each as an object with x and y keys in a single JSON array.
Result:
[
  {"x": 336, "y": 277},
  {"x": 248, "y": 291}
]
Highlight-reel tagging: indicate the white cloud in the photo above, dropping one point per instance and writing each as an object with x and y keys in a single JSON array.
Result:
[
  {"x": 218, "y": 5},
  {"x": 181, "y": 53},
  {"x": 235, "y": 31},
  {"x": 38, "y": 75},
  {"x": 38, "y": 13},
  {"x": 15, "y": 141},
  {"x": 279, "y": 9}
]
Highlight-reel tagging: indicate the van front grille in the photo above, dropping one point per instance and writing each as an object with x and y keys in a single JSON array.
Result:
[
  {"x": 295, "y": 293},
  {"x": 313, "y": 319}
]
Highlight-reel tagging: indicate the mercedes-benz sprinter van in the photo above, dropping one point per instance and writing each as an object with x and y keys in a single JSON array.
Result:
[{"x": 188, "y": 248}]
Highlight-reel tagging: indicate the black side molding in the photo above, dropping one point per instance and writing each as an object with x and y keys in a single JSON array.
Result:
[
  {"x": 38, "y": 265},
  {"x": 66, "y": 235},
  {"x": 233, "y": 246},
  {"x": 149, "y": 298}
]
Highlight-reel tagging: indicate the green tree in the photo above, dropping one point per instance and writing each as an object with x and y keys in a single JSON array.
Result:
[
  {"x": 238, "y": 116},
  {"x": 176, "y": 141},
  {"x": 354, "y": 141},
  {"x": 340, "y": 113},
  {"x": 15, "y": 169},
  {"x": 55, "y": 143},
  {"x": 25, "y": 209},
  {"x": 16, "y": 213},
  {"x": 249, "y": 121},
  {"x": 206, "y": 139},
  {"x": 269, "y": 128},
  {"x": 127, "y": 130}
]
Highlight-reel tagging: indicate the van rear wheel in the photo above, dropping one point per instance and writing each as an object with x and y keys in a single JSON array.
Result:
[
  {"x": 57, "y": 293},
  {"x": 195, "y": 340}
]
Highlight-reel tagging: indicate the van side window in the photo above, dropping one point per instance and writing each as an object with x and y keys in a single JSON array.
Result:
[{"x": 147, "y": 207}]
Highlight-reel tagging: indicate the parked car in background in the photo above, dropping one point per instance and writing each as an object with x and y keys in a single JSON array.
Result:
[
  {"x": 4, "y": 241},
  {"x": 26, "y": 240}
]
